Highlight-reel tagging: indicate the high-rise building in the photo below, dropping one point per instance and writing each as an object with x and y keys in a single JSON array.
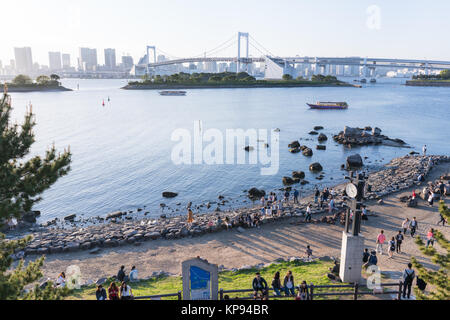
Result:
[
  {"x": 65, "y": 60},
  {"x": 54, "y": 59},
  {"x": 127, "y": 62},
  {"x": 88, "y": 59},
  {"x": 110, "y": 59},
  {"x": 24, "y": 60}
]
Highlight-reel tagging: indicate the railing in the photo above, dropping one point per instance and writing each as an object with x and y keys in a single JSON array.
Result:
[
  {"x": 312, "y": 292},
  {"x": 159, "y": 296}
]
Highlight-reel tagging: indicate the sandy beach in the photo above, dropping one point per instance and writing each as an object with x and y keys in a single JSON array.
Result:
[{"x": 285, "y": 238}]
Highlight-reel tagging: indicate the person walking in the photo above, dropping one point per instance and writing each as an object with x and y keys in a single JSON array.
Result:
[
  {"x": 316, "y": 194},
  {"x": 413, "y": 226},
  {"x": 408, "y": 277},
  {"x": 308, "y": 213},
  {"x": 391, "y": 247},
  {"x": 430, "y": 237},
  {"x": 308, "y": 252},
  {"x": 331, "y": 206},
  {"x": 380, "y": 241},
  {"x": 276, "y": 284},
  {"x": 262, "y": 200},
  {"x": 424, "y": 149},
  {"x": 405, "y": 225},
  {"x": 286, "y": 196},
  {"x": 399, "y": 238},
  {"x": 431, "y": 198},
  {"x": 288, "y": 283},
  {"x": 442, "y": 219}
]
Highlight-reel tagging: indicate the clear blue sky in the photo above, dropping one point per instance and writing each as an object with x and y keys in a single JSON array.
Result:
[{"x": 405, "y": 29}]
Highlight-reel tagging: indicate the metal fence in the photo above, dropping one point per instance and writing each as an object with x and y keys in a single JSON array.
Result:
[{"x": 313, "y": 291}]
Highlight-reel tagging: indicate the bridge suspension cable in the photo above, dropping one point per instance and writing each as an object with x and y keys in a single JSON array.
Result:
[
  {"x": 216, "y": 48},
  {"x": 264, "y": 49}
]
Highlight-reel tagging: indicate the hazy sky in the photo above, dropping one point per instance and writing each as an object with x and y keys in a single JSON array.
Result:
[{"x": 402, "y": 29}]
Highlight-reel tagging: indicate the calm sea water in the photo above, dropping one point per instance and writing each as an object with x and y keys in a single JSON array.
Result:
[{"x": 122, "y": 152}]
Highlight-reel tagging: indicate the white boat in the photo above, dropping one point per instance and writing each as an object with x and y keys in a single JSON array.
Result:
[{"x": 172, "y": 93}]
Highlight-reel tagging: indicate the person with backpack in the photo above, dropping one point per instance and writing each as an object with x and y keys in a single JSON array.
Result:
[
  {"x": 259, "y": 284},
  {"x": 288, "y": 283},
  {"x": 391, "y": 247},
  {"x": 413, "y": 226},
  {"x": 408, "y": 277},
  {"x": 399, "y": 238},
  {"x": 373, "y": 260},
  {"x": 366, "y": 256},
  {"x": 276, "y": 284}
]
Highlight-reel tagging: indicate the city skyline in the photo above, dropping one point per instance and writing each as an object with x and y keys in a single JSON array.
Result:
[{"x": 324, "y": 29}]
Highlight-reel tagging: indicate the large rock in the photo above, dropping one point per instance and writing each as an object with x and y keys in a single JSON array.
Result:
[
  {"x": 316, "y": 128},
  {"x": 294, "y": 144},
  {"x": 354, "y": 161},
  {"x": 70, "y": 217},
  {"x": 349, "y": 131},
  {"x": 315, "y": 167},
  {"x": 376, "y": 131},
  {"x": 307, "y": 152},
  {"x": 288, "y": 181},
  {"x": 168, "y": 194},
  {"x": 321, "y": 147},
  {"x": 255, "y": 193},
  {"x": 322, "y": 137},
  {"x": 298, "y": 174},
  {"x": 31, "y": 216}
]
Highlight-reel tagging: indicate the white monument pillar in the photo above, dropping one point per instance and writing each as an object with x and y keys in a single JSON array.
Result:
[{"x": 351, "y": 258}]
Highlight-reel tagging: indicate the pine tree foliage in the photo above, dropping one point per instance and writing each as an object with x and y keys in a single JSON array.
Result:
[
  {"x": 439, "y": 279},
  {"x": 21, "y": 182},
  {"x": 13, "y": 281}
]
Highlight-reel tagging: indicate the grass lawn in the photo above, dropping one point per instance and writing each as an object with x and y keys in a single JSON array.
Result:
[{"x": 312, "y": 272}]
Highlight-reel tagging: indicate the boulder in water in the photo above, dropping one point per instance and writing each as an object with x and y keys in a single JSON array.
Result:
[
  {"x": 354, "y": 161},
  {"x": 315, "y": 167},
  {"x": 168, "y": 194}
]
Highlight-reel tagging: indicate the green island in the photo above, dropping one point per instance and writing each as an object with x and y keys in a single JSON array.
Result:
[
  {"x": 23, "y": 83},
  {"x": 312, "y": 272},
  {"x": 435, "y": 80},
  {"x": 228, "y": 80}
]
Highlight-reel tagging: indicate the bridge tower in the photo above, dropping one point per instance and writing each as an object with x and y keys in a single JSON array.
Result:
[
  {"x": 153, "y": 48},
  {"x": 244, "y": 35}
]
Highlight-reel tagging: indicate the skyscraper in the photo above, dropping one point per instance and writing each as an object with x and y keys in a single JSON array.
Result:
[
  {"x": 65, "y": 60},
  {"x": 110, "y": 59},
  {"x": 127, "y": 62},
  {"x": 24, "y": 60},
  {"x": 88, "y": 59},
  {"x": 54, "y": 59}
]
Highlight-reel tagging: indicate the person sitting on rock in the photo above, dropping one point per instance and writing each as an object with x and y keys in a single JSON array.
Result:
[
  {"x": 133, "y": 274},
  {"x": 227, "y": 222},
  {"x": 121, "y": 274}
]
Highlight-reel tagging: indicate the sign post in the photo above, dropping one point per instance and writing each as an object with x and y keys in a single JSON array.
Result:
[{"x": 200, "y": 280}]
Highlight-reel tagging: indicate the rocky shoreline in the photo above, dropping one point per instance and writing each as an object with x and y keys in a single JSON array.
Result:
[{"x": 401, "y": 173}]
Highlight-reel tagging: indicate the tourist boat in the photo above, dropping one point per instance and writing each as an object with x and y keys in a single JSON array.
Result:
[
  {"x": 328, "y": 105},
  {"x": 363, "y": 80},
  {"x": 172, "y": 93}
]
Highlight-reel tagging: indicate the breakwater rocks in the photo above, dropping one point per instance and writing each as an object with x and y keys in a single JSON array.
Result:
[
  {"x": 399, "y": 174},
  {"x": 366, "y": 136}
]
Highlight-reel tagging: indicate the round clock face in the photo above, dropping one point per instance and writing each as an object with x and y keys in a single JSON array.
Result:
[{"x": 351, "y": 190}]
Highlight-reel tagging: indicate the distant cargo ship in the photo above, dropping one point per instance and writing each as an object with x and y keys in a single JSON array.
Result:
[
  {"x": 172, "y": 93},
  {"x": 328, "y": 105}
]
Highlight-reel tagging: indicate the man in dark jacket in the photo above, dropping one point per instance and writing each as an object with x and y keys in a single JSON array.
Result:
[
  {"x": 259, "y": 284},
  {"x": 121, "y": 274},
  {"x": 408, "y": 277},
  {"x": 100, "y": 294}
]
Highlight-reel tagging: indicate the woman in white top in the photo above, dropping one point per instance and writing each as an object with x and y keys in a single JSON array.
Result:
[
  {"x": 125, "y": 292},
  {"x": 431, "y": 198},
  {"x": 405, "y": 225}
]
